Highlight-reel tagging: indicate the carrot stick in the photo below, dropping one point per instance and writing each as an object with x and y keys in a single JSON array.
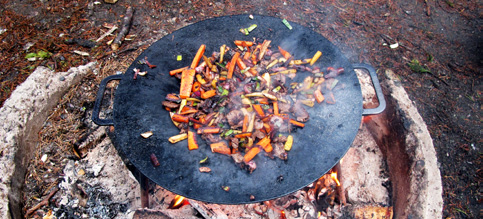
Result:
[
  {"x": 176, "y": 71},
  {"x": 188, "y": 110},
  {"x": 285, "y": 54},
  {"x": 220, "y": 147},
  {"x": 241, "y": 64},
  {"x": 245, "y": 123},
  {"x": 198, "y": 56},
  {"x": 275, "y": 108},
  {"x": 192, "y": 143},
  {"x": 180, "y": 118},
  {"x": 208, "y": 94},
  {"x": 297, "y": 123},
  {"x": 251, "y": 154},
  {"x": 246, "y": 56},
  {"x": 209, "y": 130},
  {"x": 243, "y": 43},
  {"x": 231, "y": 66},
  {"x": 259, "y": 110},
  {"x": 243, "y": 135},
  {"x": 187, "y": 78}
]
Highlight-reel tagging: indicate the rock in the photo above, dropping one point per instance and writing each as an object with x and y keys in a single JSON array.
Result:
[{"x": 22, "y": 116}]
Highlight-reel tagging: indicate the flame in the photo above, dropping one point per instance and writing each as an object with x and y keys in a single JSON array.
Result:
[
  {"x": 333, "y": 175},
  {"x": 178, "y": 202},
  {"x": 319, "y": 214},
  {"x": 282, "y": 215},
  {"x": 366, "y": 119}
]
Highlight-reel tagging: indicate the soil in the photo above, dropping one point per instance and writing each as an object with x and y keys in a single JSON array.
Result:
[{"x": 438, "y": 59}]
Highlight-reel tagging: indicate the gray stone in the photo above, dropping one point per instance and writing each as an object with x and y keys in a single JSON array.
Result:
[{"x": 22, "y": 116}]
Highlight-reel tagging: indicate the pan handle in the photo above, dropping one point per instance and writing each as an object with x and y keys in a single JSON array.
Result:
[
  {"x": 377, "y": 88},
  {"x": 100, "y": 95}
]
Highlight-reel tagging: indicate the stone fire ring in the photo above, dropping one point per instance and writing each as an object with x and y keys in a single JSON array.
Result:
[{"x": 417, "y": 191}]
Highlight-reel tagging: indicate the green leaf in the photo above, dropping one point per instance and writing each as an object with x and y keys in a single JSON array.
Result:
[
  {"x": 31, "y": 55},
  {"x": 417, "y": 67}
]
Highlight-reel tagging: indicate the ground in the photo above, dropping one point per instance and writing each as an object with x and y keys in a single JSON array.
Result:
[{"x": 438, "y": 59}]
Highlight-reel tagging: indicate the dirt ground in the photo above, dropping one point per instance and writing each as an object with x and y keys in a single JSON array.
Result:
[{"x": 438, "y": 58}]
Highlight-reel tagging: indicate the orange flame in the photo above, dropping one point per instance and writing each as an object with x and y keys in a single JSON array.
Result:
[
  {"x": 177, "y": 202},
  {"x": 333, "y": 175},
  {"x": 282, "y": 215}
]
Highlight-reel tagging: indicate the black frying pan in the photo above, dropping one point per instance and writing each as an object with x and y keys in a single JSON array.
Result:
[{"x": 317, "y": 147}]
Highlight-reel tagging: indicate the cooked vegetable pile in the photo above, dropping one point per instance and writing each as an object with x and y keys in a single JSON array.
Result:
[{"x": 242, "y": 100}]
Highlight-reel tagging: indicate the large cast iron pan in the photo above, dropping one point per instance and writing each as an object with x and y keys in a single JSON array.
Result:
[{"x": 317, "y": 148}]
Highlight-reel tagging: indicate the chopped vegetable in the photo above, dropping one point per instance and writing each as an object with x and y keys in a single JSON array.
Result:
[
  {"x": 154, "y": 160},
  {"x": 192, "y": 142},
  {"x": 220, "y": 147},
  {"x": 198, "y": 56},
  {"x": 187, "y": 79},
  {"x": 177, "y": 138},
  {"x": 251, "y": 154},
  {"x": 205, "y": 169},
  {"x": 176, "y": 71},
  {"x": 232, "y": 64},
  {"x": 315, "y": 57},
  {"x": 288, "y": 143},
  {"x": 147, "y": 134},
  {"x": 287, "y": 24},
  {"x": 180, "y": 118},
  {"x": 208, "y": 94},
  {"x": 205, "y": 160},
  {"x": 318, "y": 96}
]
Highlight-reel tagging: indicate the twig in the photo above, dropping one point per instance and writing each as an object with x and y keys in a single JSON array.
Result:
[
  {"x": 44, "y": 202},
  {"x": 109, "y": 32},
  {"x": 125, "y": 29},
  {"x": 428, "y": 9}
]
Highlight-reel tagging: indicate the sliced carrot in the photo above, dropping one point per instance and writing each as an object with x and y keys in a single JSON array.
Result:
[
  {"x": 243, "y": 135},
  {"x": 251, "y": 154},
  {"x": 259, "y": 110},
  {"x": 241, "y": 64},
  {"x": 209, "y": 130},
  {"x": 285, "y": 54},
  {"x": 192, "y": 143},
  {"x": 197, "y": 126},
  {"x": 198, "y": 56},
  {"x": 208, "y": 94},
  {"x": 196, "y": 86},
  {"x": 297, "y": 123},
  {"x": 268, "y": 148},
  {"x": 246, "y": 119},
  {"x": 275, "y": 108},
  {"x": 247, "y": 54},
  {"x": 188, "y": 110},
  {"x": 220, "y": 147},
  {"x": 243, "y": 43},
  {"x": 187, "y": 78},
  {"x": 176, "y": 71},
  {"x": 319, "y": 97},
  {"x": 262, "y": 100},
  {"x": 180, "y": 118},
  {"x": 231, "y": 66}
]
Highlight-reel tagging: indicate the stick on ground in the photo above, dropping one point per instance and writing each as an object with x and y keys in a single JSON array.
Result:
[{"x": 126, "y": 24}]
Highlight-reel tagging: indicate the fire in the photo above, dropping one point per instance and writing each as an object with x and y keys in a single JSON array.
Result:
[
  {"x": 282, "y": 215},
  {"x": 333, "y": 175},
  {"x": 178, "y": 202}
]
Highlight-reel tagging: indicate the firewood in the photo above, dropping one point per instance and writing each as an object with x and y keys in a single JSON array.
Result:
[
  {"x": 126, "y": 24},
  {"x": 44, "y": 202}
]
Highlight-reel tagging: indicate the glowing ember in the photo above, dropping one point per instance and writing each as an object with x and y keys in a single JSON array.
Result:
[
  {"x": 333, "y": 175},
  {"x": 178, "y": 202}
]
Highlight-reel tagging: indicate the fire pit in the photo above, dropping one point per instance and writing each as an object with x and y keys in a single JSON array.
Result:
[
  {"x": 411, "y": 165},
  {"x": 321, "y": 143}
]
